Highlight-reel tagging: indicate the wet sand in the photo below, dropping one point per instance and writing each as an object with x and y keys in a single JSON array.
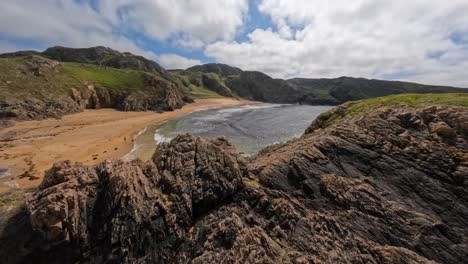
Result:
[{"x": 29, "y": 148}]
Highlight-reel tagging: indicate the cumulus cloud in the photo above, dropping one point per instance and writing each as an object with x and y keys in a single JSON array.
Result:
[
  {"x": 191, "y": 23},
  {"x": 188, "y": 23},
  {"x": 400, "y": 39},
  {"x": 174, "y": 61},
  {"x": 60, "y": 22}
]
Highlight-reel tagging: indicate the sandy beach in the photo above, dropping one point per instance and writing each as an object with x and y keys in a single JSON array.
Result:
[{"x": 29, "y": 148}]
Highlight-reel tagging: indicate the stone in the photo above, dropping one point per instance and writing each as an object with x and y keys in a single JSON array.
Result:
[{"x": 351, "y": 192}]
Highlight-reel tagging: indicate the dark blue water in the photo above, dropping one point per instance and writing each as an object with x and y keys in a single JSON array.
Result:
[{"x": 250, "y": 127}]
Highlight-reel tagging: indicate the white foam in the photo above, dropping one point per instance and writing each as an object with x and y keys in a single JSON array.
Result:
[
  {"x": 159, "y": 138},
  {"x": 131, "y": 155}
]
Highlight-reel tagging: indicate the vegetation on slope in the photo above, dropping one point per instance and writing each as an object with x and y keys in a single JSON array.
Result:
[
  {"x": 261, "y": 87},
  {"x": 36, "y": 87},
  {"x": 103, "y": 56},
  {"x": 33, "y": 76},
  {"x": 108, "y": 77},
  {"x": 364, "y": 106},
  {"x": 201, "y": 85}
]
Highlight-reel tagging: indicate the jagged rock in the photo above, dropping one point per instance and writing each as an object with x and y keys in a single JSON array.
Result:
[
  {"x": 401, "y": 185},
  {"x": 34, "y": 108},
  {"x": 201, "y": 172},
  {"x": 125, "y": 212},
  {"x": 373, "y": 188}
]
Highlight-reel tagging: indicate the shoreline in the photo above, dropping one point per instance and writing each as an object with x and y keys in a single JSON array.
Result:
[{"x": 29, "y": 148}]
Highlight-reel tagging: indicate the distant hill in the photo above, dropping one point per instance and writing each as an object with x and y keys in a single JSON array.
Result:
[
  {"x": 103, "y": 56},
  {"x": 220, "y": 69},
  {"x": 259, "y": 86}
]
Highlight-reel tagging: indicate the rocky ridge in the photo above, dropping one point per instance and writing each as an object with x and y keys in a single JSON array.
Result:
[{"x": 388, "y": 186}]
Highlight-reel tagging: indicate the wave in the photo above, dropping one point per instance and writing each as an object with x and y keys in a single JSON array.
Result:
[
  {"x": 159, "y": 138},
  {"x": 131, "y": 155}
]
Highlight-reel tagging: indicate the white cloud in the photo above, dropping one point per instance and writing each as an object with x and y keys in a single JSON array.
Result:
[
  {"x": 60, "y": 22},
  {"x": 188, "y": 23},
  {"x": 366, "y": 38},
  {"x": 191, "y": 23},
  {"x": 174, "y": 61}
]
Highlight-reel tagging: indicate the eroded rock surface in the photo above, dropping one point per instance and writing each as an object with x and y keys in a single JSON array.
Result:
[{"x": 389, "y": 186}]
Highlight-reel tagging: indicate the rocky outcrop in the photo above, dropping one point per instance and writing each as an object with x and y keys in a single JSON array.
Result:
[
  {"x": 396, "y": 176},
  {"x": 128, "y": 212},
  {"x": 39, "y": 88},
  {"x": 36, "y": 109},
  {"x": 389, "y": 186},
  {"x": 103, "y": 56}
]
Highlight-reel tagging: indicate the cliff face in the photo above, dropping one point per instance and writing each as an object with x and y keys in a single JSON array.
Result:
[
  {"x": 389, "y": 186},
  {"x": 36, "y": 87}
]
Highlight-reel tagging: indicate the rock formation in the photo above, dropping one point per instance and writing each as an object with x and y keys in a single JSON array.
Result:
[
  {"x": 389, "y": 186},
  {"x": 36, "y": 87}
]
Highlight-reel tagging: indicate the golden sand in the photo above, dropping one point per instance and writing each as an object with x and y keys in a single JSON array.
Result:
[{"x": 88, "y": 137}]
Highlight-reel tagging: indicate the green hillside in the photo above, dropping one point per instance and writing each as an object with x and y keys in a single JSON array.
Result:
[
  {"x": 364, "y": 106},
  {"x": 261, "y": 87}
]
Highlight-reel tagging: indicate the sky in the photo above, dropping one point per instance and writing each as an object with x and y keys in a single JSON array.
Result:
[{"x": 423, "y": 41}]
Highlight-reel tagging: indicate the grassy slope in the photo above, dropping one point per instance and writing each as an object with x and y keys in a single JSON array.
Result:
[
  {"x": 17, "y": 81},
  {"x": 259, "y": 86},
  {"x": 193, "y": 83},
  {"x": 414, "y": 100},
  {"x": 108, "y": 77}
]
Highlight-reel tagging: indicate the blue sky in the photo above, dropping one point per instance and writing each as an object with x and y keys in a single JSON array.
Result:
[{"x": 422, "y": 41}]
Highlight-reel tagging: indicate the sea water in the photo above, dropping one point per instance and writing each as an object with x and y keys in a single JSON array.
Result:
[{"x": 250, "y": 128}]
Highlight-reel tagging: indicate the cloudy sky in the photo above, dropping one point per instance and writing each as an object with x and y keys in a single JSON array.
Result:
[{"x": 417, "y": 40}]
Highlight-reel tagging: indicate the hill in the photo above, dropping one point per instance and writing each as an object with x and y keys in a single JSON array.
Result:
[
  {"x": 259, "y": 86},
  {"x": 103, "y": 56},
  {"x": 387, "y": 184},
  {"x": 62, "y": 81}
]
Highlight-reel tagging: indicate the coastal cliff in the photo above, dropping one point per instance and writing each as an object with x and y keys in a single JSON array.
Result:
[
  {"x": 62, "y": 81},
  {"x": 369, "y": 182}
]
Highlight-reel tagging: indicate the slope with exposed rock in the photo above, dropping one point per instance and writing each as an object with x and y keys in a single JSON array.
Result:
[
  {"x": 381, "y": 183},
  {"x": 61, "y": 81}
]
